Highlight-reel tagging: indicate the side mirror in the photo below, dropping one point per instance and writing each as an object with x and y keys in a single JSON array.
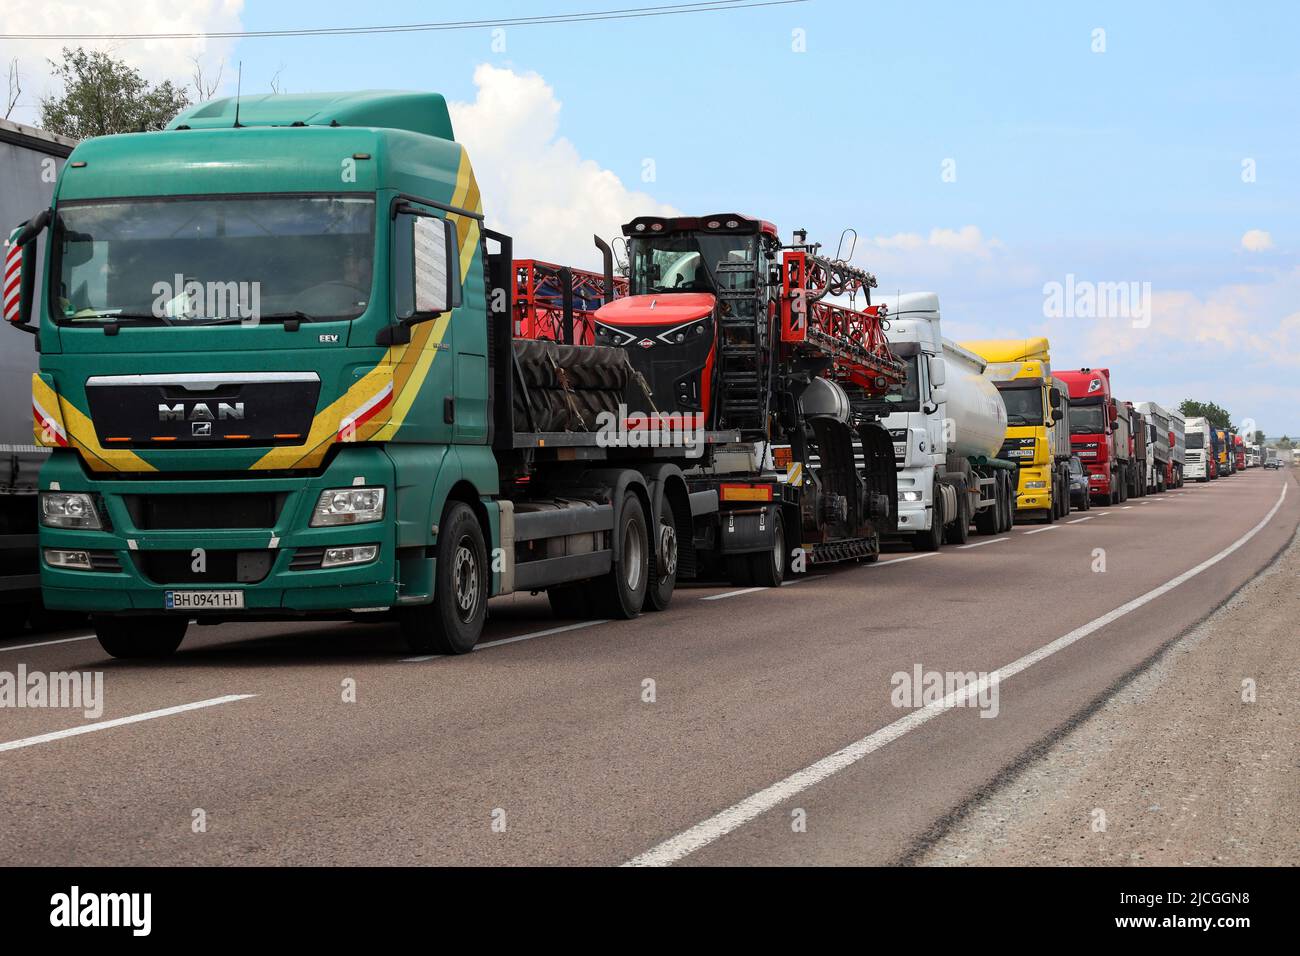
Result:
[
  {"x": 938, "y": 373},
  {"x": 1112, "y": 413},
  {"x": 18, "y": 275},
  {"x": 938, "y": 395},
  {"x": 433, "y": 266},
  {"x": 1056, "y": 400},
  {"x": 425, "y": 270}
]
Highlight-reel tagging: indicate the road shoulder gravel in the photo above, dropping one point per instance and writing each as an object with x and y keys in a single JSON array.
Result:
[{"x": 1178, "y": 767}]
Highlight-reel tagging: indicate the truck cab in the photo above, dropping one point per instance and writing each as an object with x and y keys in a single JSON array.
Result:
[
  {"x": 1198, "y": 464},
  {"x": 1037, "y": 414},
  {"x": 948, "y": 424},
  {"x": 1099, "y": 433},
  {"x": 273, "y": 384}
]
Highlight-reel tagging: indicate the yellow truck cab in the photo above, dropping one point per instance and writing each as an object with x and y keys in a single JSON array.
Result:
[{"x": 1038, "y": 431}]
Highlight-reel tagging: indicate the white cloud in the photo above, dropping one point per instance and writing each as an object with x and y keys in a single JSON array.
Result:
[
  {"x": 155, "y": 59},
  {"x": 1257, "y": 240},
  {"x": 536, "y": 187},
  {"x": 967, "y": 240}
]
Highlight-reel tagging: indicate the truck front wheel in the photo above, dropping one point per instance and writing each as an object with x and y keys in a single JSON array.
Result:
[
  {"x": 136, "y": 638},
  {"x": 930, "y": 540},
  {"x": 453, "y": 622}
]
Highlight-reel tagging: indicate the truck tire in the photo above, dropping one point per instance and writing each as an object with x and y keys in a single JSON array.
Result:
[
  {"x": 663, "y": 562},
  {"x": 767, "y": 568},
  {"x": 621, "y": 592},
  {"x": 570, "y": 601},
  {"x": 141, "y": 638},
  {"x": 958, "y": 530},
  {"x": 1008, "y": 502},
  {"x": 453, "y": 622},
  {"x": 930, "y": 540},
  {"x": 988, "y": 520}
]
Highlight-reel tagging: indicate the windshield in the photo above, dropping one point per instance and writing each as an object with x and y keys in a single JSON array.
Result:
[
  {"x": 240, "y": 258},
  {"x": 1195, "y": 440},
  {"x": 1024, "y": 405},
  {"x": 909, "y": 399},
  {"x": 1087, "y": 419},
  {"x": 689, "y": 263}
]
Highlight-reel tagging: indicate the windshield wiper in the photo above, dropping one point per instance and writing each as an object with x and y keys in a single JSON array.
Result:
[
  {"x": 118, "y": 317},
  {"x": 285, "y": 317}
]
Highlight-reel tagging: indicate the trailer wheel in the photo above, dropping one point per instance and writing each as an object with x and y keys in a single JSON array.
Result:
[
  {"x": 453, "y": 622},
  {"x": 622, "y": 590},
  {"x": 140, "y": 638},
  {"x": 768, "y": 567},
  {"x": 989, "y": 520},
  {"x": 1006, "y": 506},
  {"x": 930, "y": 540},
  {"x": 663, "y": 562}
]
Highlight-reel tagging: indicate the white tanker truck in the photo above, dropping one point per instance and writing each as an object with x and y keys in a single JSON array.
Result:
[{"x": 947, "y": 425}]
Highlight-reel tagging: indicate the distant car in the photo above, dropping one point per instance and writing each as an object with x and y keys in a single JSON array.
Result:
[
  {"x": 1079, "y": 484},
  {"x": 1273, "y": 463}
]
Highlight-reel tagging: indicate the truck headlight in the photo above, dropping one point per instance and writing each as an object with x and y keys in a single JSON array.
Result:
[
  {"x": 353, "y": 554},
  {"x": 69, "y": 509},
  {"x": 1035, "y": 484},
  {"x": 909, "y": 496},
  {"x": 348, "y": 506}
]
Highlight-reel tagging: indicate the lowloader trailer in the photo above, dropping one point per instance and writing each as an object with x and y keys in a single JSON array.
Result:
[
  {"x": 278, "y": 378},
  {"x": 725, "y": 322},
  {"x": 948, "y": 424}
]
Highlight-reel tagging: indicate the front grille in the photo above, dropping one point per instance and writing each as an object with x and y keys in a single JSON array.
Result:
[
  {"x": 104, "y": 561},
  {"x": 307, "y": 559},
  {"x": 188, "y": 512},
  {"x": 218, "y": 567}
]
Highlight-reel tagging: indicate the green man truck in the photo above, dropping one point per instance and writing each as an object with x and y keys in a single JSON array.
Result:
[{"x": 278, "y": 378}]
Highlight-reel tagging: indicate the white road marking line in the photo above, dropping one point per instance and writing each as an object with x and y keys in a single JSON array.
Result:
[
  {"x": 1102, "y": 514},
  {"x": 728, "y": 594},
  {"x": 1125, "y": 507},
  {"x": 546, "y": 633},
  {"x": 980, "y": 544},
  {"x": 717, "y": 826},
  {"x": 120, "y": 721},
  {"x": 1077, "y": 520},
  {"x": 512, "y": 640},
  {"x": 1050, "y": 527},
  {"x": 62, "y": 640},
  {"x": 910, "y": 557}
]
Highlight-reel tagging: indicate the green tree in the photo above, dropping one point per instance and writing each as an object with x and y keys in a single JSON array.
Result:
[
  {"x": 1284, "y": 442},
  {"x": 1257, "y": 438},
  {"x": 102, "y": 96},
  {"x": 1216, "y": 416}
]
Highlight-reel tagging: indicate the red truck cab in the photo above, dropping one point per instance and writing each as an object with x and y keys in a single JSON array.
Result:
[{"x": 1096, "y": 433}]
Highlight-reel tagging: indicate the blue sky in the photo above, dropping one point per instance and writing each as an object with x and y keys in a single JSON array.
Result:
[{"x": 1117, "y": 166}]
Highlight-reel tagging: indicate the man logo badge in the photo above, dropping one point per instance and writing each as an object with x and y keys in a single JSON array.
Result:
[{"x": 201, "y": 429}]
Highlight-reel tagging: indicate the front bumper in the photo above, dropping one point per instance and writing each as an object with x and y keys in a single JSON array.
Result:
[
  {"x": 1034, "y": 498},
  {"x": 143, "y": 562}
]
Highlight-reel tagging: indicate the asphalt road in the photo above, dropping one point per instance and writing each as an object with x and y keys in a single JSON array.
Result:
[{"x": 768, "y": 735}]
